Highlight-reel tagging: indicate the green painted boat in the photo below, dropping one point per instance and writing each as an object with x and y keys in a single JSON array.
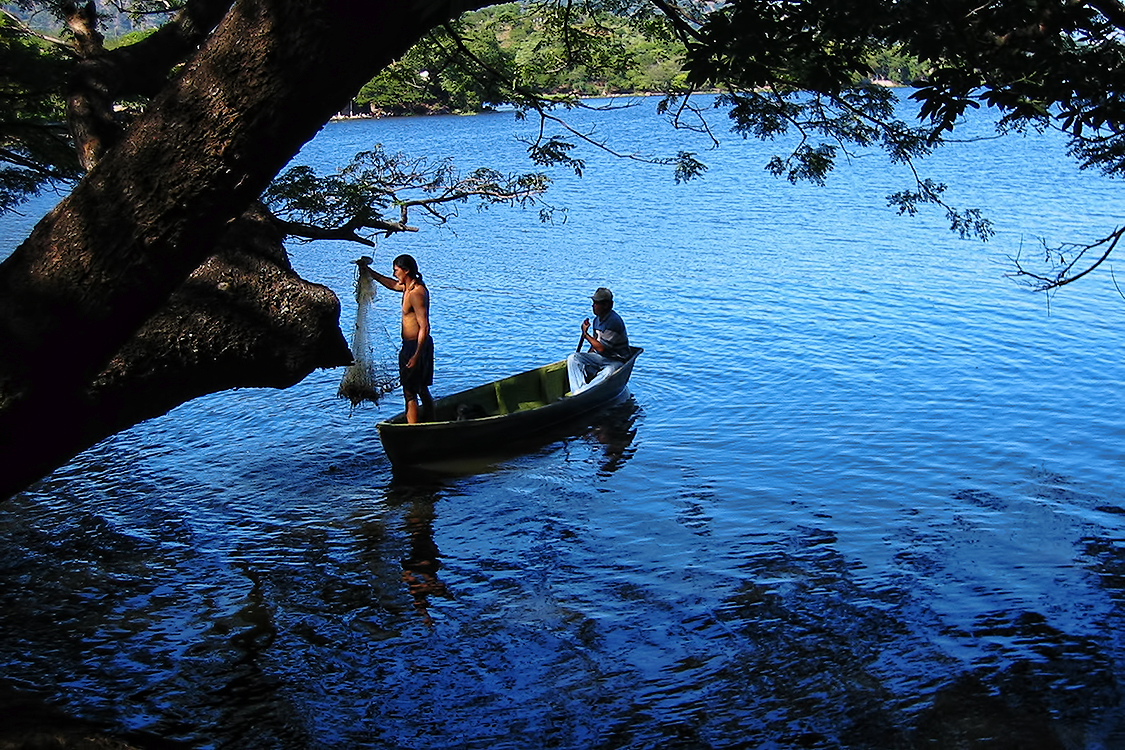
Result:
[{"x": 488, "y": 419}]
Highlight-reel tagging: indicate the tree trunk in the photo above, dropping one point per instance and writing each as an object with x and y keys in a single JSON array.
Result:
[{"x": 110, "y": 256}]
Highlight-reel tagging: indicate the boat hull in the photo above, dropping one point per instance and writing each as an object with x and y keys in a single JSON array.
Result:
[{"x": 491, "y": 418}]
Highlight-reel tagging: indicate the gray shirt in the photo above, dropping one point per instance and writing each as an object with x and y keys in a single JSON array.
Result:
[{"x": 610, "y": 331}]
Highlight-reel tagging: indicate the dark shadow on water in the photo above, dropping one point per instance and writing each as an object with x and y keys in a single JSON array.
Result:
[
  {"x": 830, "y": 661},
  {"x": 615, "y": 431}
]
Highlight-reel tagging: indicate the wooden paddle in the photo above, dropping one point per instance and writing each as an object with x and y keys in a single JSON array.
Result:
[{"x": 581, "y": 339}]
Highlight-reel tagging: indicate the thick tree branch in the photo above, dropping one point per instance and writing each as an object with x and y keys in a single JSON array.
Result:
[
  {"x": 89, "y": 100},
  {"x": 242, "y": 319},
  {"x": 102, "y": 77},
  {"x": 143, "y": 68},
  {"x": 304, "y": 231}
]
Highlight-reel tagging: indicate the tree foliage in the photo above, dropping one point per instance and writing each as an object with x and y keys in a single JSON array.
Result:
[
  {"x": 377, "y": 192},
  {"x": 160, "y": 269},
  {"x": 35, "y": 148},
  {"x": 806, "y": 66},
  {"x": 498, "y": 54}
]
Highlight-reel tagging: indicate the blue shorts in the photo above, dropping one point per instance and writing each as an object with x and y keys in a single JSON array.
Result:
[{"x": 421, "y": 376}]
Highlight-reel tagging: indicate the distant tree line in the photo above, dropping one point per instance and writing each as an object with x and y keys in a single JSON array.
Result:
[{"x": 521, "y": 44}]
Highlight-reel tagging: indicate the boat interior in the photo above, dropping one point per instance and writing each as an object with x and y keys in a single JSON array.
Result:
[{"x": 528, "y": 390}]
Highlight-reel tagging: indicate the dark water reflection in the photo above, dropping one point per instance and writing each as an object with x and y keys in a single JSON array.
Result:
[
  {"x": 802, "y": 650},
  {"x": 802, "y": 653},
  {"x": 864, "y": 494}
]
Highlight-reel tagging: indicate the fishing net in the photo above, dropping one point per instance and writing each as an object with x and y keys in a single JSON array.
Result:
[{"x": 369, "y": 377}]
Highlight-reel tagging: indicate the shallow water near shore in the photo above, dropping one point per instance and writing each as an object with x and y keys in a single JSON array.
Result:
[{"x": 866, "y": 492}]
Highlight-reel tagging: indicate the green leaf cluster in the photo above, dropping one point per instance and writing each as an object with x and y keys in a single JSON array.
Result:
[
  {"x": 377, "y": 191},
  {"x": 1040, "y": 63},
  {"x": 35, "y": 150}
]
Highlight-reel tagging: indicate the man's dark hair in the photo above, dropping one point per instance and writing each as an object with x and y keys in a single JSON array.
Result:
[{"x": 408, "y": 264}]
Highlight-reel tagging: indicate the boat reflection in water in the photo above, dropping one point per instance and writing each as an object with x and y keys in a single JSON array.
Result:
[
  {"x": 614, "y": 430},
  {"x": 609, "y": 433}
]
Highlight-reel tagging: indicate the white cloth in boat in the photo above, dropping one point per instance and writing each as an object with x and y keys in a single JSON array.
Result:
[{"x": 579, "y": 365}]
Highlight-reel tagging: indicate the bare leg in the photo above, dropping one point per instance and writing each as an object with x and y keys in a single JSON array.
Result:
[{"x": 411, "y": 407}]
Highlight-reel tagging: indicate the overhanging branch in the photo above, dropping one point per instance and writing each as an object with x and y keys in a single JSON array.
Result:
[
  {"x": 1064, "y": 269},
  {"x": 310, "y": 232}
]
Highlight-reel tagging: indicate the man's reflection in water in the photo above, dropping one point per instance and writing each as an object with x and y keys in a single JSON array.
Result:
[
  {"x": 615, "y": 431},
  {"x": 420, "y": 567}
]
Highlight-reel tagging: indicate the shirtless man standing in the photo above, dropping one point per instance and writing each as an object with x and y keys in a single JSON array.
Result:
[{"x": 416, "y": 358}]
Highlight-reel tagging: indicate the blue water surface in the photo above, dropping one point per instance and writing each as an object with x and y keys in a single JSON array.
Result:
[{"x": 865, "y": 492}]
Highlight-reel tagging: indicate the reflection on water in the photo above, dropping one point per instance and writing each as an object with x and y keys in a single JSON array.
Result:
[
  {"x": 420, "y": 567},
  {"x": 615, "y": 430},
  {"x": 422, "y": 607}
]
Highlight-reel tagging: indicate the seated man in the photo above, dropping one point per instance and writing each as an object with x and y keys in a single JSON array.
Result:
[{"x": 609, "y": 344}]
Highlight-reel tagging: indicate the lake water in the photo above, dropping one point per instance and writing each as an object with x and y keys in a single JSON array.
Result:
[{"x": 866, "y": 492}]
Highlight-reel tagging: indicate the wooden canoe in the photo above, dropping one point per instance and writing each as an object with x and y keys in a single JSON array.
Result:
[{"x": 487, "y": 419}]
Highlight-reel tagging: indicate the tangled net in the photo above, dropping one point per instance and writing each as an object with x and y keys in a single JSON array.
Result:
[{"x": 368, "y": 378}]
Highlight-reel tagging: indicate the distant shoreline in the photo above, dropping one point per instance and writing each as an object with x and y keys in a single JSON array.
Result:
[{"x": 385, "y": 113}]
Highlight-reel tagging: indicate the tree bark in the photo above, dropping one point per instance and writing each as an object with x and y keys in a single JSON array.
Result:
[
  {"x": 242, "y": 319},
  {"x": 111, "y": 255}
]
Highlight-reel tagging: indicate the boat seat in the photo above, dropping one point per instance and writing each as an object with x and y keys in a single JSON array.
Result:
[
  {"x": 531, "y": 390},
  {"x": 554, "y": 381},
  {"x": 521, "y": 392},
  {"x": 501, "y": 407}
]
